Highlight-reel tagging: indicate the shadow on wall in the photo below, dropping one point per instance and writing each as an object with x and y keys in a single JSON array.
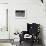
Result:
[{"x": 41, "y": 34}]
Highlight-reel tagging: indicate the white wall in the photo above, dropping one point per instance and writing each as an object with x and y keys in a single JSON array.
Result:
[{"x": 3, "y": 1}]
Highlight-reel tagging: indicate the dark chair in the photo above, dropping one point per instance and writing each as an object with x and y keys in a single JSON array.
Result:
[{"x": 32, "y": 29}]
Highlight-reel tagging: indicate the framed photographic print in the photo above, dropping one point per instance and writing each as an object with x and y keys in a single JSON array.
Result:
[{"x": 20, "y": 13}]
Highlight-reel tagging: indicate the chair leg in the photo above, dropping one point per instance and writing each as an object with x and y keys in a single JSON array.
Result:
[
  {"x": 32, "y": 42},
  {"x": 20, "y": 42}
]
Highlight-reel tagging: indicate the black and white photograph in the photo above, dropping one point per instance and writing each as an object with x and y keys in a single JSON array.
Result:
[{"x": 22, "y": 22}]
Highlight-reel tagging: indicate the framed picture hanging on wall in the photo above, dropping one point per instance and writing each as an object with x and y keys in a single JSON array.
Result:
[{"x": 20, "y": 13}]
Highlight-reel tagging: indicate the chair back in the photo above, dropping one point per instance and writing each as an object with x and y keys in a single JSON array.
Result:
[{"x": 33, "y": 28}]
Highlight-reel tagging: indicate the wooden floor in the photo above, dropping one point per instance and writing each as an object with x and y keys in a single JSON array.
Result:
[{"x": 27, "y": 44}]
